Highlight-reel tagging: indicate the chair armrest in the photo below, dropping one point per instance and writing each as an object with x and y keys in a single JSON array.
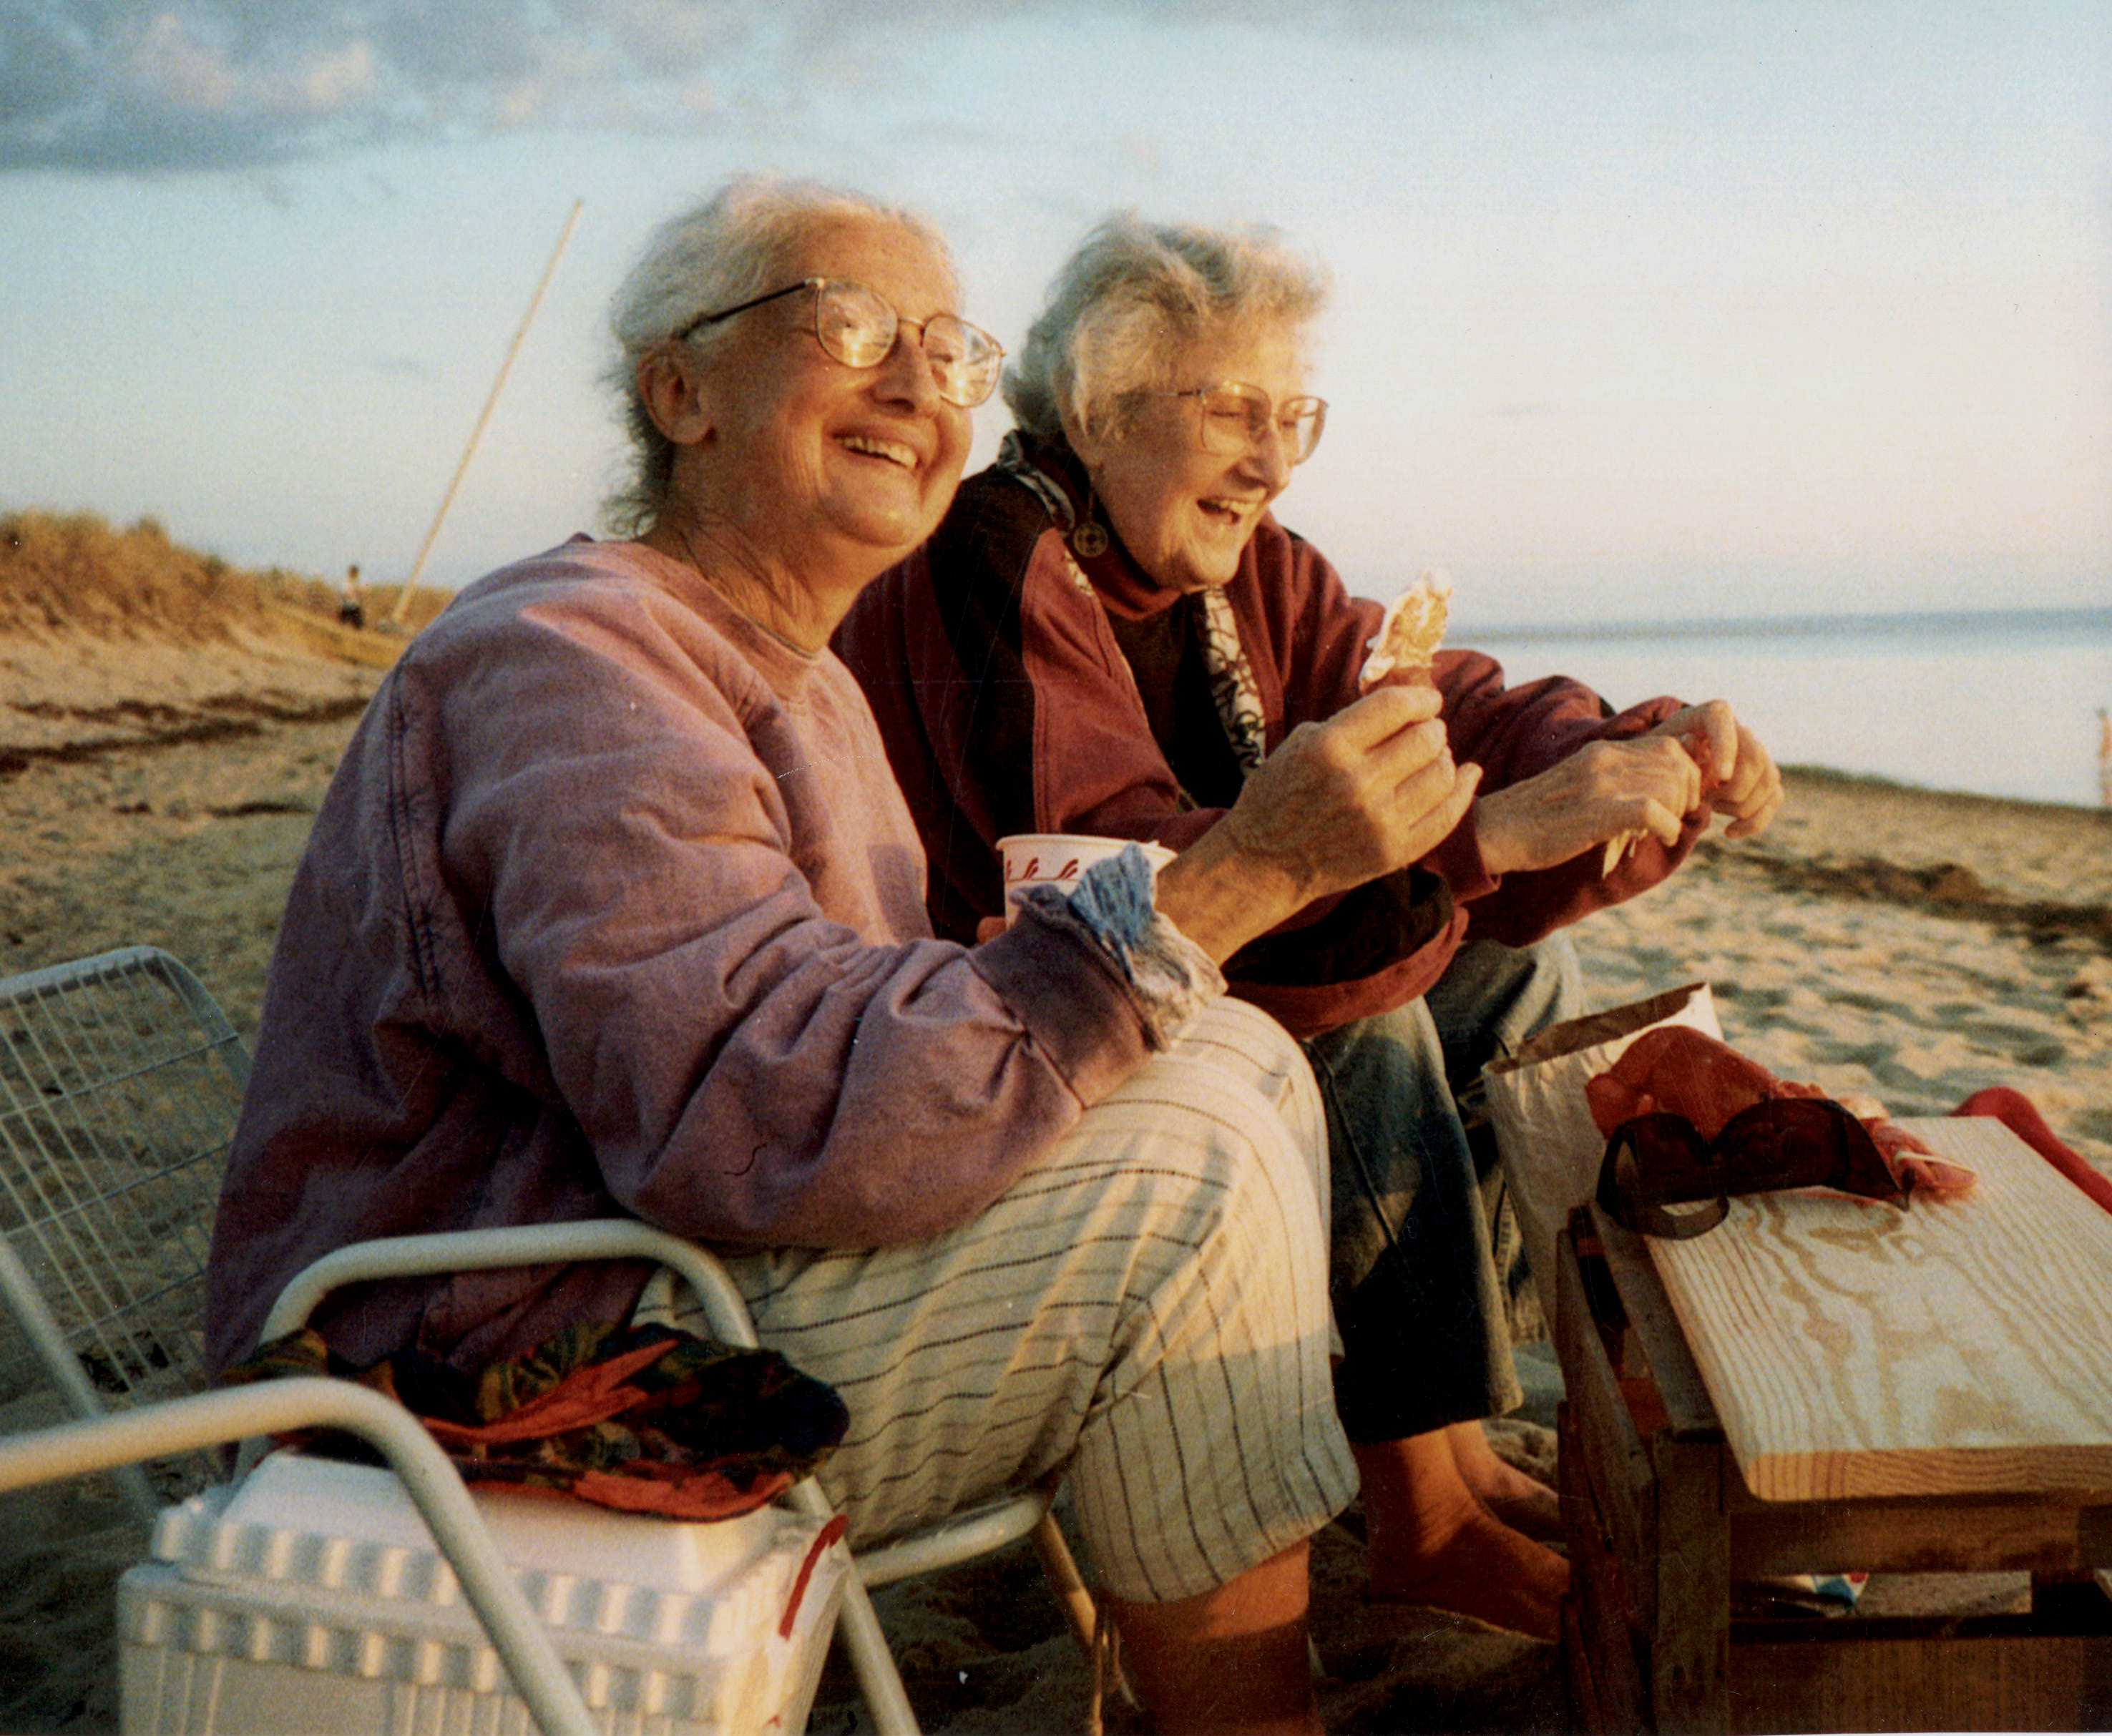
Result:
[
  {"x": 275, "y": 1406},
  {"x": 532, "y": 1244}
]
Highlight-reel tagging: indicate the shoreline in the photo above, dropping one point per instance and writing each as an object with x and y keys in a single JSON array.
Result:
[
  {"x": 1801, "y": 624},
  {"x": 1829, "y": 776}
]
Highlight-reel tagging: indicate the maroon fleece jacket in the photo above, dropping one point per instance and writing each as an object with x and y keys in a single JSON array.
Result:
[{"x": 1008, "y": 706}]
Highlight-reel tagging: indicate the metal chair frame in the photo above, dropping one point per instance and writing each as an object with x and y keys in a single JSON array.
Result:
[
  {"x": 46, "y": 1098},
  {"x": 277, "y": 1407}
]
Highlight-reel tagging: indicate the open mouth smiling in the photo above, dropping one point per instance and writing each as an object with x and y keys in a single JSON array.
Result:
[
  {"x": 893, "y": 451},
  {"x": 1225, "y": 511}
]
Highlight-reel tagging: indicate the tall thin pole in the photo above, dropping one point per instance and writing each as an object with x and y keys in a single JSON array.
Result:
[{"x": 476, "y": 433}]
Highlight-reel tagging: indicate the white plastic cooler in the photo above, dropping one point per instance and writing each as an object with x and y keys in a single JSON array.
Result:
[{"x": 311, "y": 1597}]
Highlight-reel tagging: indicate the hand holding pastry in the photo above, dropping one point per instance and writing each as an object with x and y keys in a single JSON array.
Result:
[{"x": 1405, "y": 646}]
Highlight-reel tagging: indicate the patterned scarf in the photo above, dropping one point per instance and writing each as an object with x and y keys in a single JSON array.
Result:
[{"x": 1232, "y": 682}]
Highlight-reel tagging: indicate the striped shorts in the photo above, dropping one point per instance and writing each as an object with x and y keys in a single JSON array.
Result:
[{"x": 1145, "y": 1310}]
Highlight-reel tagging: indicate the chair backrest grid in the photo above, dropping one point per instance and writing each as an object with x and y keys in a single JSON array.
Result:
[
  {"x": 106, "y": 1162},
  {"x": 61, "y": 1160},
  {"x": 139, "y": 1132},
  {"x": 119, "y": 1086}
]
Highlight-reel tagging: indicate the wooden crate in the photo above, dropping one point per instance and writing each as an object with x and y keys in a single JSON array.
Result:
[{"x": 1660, "y": 1522}]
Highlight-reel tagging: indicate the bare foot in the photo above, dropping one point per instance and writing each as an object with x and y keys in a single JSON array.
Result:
[
  {"x": 1430, "y": 1541},
  {"x": 1521, "y": 1501},
  {"x": 1484, "y": 1569}
]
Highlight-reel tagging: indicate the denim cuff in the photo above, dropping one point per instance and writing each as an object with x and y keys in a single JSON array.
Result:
[{"x": 1173, "y": 978}]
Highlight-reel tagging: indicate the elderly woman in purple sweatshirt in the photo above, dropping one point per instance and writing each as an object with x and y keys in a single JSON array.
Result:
[{"x": 614, "y": 907}]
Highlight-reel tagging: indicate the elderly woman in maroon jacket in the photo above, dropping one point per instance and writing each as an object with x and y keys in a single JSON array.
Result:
[
  {"x": 612, "y": 907},
  {"x": 1111, "y": 634}
]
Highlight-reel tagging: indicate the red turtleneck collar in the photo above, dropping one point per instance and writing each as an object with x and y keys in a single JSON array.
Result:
[{"x": 1123, "y": 586}]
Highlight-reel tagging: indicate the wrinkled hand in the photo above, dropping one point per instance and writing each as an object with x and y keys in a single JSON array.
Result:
[
  {"x": 1603, "y": 791},
  {"x": 1371, "y": 790},
  {"x": 1609, "y": 794},
  {"x": 1740, "y": 776}
]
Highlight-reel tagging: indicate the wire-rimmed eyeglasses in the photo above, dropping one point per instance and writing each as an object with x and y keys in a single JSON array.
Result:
[
  {"x": 1234, "y": 418},
  {"x": 858, "y": 326}
]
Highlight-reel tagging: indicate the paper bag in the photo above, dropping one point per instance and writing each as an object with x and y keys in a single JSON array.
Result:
[{"x": 1549, "y": 1145}]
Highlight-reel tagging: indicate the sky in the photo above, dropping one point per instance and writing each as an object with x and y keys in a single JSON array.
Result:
[{"x": 1728, "y": 307}]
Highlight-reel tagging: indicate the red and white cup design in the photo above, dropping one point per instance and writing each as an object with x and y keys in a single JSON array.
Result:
[{"x": 1058, "y": 859}]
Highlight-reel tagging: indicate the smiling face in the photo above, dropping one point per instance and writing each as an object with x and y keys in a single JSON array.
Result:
[
  {"x": 810, "y": 474},
  {"x": 1186, "y": 515}
]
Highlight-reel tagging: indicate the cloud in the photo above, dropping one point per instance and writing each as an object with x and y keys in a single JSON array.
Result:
[
  {"x": 39, "y": 61},
  {"x": 141, "y": 86},
  {"x": 116, "y": 84}
]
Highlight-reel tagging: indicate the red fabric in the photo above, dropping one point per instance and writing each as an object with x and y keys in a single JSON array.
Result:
[
  {"x": 586, "y": 1396},
  {"x": 678, "y": 1491},
  {"x": 1683, "y": 1072},
  {"x": 1688, "y": 1073},
  {"x": 664, "y": 1491},
  {"x": 2018, "y": 1113}
]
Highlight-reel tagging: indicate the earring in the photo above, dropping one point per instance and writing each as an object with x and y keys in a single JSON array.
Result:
[{"x": 1087, "y": 537}]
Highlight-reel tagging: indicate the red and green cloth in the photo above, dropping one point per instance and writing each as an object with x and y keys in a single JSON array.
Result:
[{"x": 645, "y": 1419}]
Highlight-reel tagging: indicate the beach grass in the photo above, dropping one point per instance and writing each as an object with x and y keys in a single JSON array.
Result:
[{"x": 74, "y": 573}]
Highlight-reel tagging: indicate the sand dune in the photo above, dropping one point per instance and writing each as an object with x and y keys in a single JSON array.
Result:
[{"x": 1915, "y": 945}]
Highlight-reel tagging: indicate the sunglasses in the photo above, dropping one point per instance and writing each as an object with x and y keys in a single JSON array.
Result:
[
  {"x": 858, "y": 326},
  {"x": 1235, "y": 418},
  {"x": 1661, "y": 1160}
]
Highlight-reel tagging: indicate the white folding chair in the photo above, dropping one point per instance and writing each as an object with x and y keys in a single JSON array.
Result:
[{"x": 120, "y": 1080}]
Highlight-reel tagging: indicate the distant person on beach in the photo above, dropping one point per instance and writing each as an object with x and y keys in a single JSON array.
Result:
[
  {"x": 612, "y": 907},
  {"x": 352, "y": 604},
  {"x": 2105, "y": 757},
  {"x": 1110, "y": 633}
]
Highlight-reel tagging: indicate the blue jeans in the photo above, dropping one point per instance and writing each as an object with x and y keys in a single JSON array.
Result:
[{"x": 1419, "y": 1297}]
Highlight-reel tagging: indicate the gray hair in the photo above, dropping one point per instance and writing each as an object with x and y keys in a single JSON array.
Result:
[
  {"x": 1134, "y": 296},
  {"x": 716, "y": 254}
]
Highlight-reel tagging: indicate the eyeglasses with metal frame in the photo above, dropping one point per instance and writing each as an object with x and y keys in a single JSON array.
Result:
[
  {"x": 857, "y": 325},
  {"x": 1233, "y": 418}
]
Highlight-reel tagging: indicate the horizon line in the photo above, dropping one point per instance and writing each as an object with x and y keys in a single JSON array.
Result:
[{"x": 1808, "y": 623}]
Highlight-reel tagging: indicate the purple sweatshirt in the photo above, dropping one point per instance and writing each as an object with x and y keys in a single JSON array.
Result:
[{"x": 612, "y": 908}]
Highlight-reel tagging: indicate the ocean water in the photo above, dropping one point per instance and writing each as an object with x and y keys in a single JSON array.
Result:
[{"x": 1996, "y": 704}]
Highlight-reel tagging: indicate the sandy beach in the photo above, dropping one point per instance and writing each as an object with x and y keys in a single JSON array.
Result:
[{"x": 1913, "y": 945}]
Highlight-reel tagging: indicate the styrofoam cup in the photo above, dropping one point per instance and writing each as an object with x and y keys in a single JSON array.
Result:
[{"x": 1058, "y": 858}]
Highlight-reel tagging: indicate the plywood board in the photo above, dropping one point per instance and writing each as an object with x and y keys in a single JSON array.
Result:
[{"x": 1959, "y": 1347}]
